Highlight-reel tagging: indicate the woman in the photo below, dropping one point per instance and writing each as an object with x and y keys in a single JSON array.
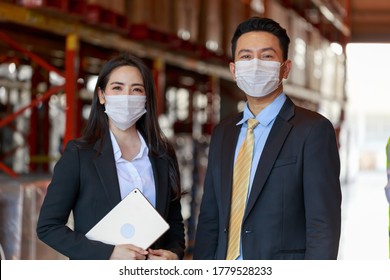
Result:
[{"x": 122, "y": 148}]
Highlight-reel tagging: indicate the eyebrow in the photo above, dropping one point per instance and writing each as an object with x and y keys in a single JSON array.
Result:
[
  {"x": 122, "y": 84},
  {"x": 251, "y": 50},
  {"x": 116, "y": 83}
]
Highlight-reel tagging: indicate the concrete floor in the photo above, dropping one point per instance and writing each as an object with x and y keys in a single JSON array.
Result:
[
  {"x": 365, "y": 222},
  {"x": 365, "y": 219}
]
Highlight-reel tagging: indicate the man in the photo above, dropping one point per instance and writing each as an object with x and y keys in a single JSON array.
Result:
[{"x": 293, "y": 202}]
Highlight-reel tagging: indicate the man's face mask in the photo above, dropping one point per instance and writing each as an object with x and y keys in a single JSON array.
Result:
[{"x": 257, "y": 78}]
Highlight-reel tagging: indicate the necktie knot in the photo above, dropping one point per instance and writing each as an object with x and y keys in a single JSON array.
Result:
[{"x": 252, "y": 123}]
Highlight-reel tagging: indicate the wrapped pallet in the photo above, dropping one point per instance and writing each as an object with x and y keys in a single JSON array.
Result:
[
  {"x": 11, "y": 208},
  {"x": 20, "y": 202}
]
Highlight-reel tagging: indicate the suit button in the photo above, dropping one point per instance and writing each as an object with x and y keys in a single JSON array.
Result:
[
  {"x": 248, "y": 231},
  {"x": 225, "y": 230}
]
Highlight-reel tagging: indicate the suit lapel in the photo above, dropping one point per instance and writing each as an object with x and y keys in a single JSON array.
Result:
[
  {"x": 278, "y": 134},
  {"x": 106, "y": 169},
  {"x": 229, "y": 140}
]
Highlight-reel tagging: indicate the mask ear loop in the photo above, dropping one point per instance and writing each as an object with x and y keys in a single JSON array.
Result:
[
  {"x": 281, "y": 65},
  {"x": 281, "y": 80}
]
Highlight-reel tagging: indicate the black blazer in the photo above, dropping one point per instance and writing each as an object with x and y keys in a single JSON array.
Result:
[
  {"x": 85, "y": 182},
  {"x": 294, "y": 208}
]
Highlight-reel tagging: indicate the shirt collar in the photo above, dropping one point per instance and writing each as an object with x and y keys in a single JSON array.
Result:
[
  {"x": 268, "y": 114},
  {"x": 117, "y": 151}
]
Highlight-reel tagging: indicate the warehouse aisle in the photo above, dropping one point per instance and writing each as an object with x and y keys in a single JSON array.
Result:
[{"x": 365, "y": 221}]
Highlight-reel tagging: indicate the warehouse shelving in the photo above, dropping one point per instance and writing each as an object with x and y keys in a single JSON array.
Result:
[{"x": 73, "y": 38}]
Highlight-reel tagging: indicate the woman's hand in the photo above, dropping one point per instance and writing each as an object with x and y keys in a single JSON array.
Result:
[
  {"x": 161, "y": 255},
  {"x": 128, "y": 252}
]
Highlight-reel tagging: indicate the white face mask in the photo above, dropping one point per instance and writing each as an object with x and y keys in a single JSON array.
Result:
[
  {"x": 256, "y": 77},
  {"x": 124, "y": 110}
]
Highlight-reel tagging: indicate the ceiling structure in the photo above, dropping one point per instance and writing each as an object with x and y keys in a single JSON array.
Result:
[{"x": 370, "y": 21}]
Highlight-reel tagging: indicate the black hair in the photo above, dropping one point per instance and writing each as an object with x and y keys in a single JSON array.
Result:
[
  {"x": 97, "y": 124},
  {"x": 262, "y": 24}
]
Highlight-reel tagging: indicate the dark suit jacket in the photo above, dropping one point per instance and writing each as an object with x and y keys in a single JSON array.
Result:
[
  {"x": 293, "y": 211},
  {"x": 85, "y": 182}
]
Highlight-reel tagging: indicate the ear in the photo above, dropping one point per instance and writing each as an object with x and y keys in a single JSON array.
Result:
[
  {"x": 287, "y": 68},
  {"x": 232, "y": 67},
  {"x": 102, "y": 100}
]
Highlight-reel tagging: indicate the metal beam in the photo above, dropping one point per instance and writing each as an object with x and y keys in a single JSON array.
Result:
[
  {"x": 33, "y": 103},
  {"x": 16, "y": 46}
]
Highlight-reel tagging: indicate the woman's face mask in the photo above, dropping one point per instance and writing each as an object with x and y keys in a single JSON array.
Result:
[{"x": 124, "y": 110}]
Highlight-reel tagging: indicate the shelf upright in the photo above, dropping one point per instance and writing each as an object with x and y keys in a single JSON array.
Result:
[{"x": 72, "y": 65}]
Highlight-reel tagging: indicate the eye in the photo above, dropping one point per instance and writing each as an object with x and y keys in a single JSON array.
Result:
[
  {"x": 138, "y": 90},
  {"x": 245, "y": 57},
  {"x": 267, "y": 56}
]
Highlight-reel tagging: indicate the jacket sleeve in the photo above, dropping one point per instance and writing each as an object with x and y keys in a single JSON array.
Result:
[
  {"x": 322, "y": 192},
  {"x": 174, "y": 239},
  {"x": 206, "y": 240},
  {"x": 60, "y": 199},
  {"x": 169, "y": 206}
]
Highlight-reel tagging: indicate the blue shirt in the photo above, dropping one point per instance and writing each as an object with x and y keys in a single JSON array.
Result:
[{"x": 266, "y": 119}]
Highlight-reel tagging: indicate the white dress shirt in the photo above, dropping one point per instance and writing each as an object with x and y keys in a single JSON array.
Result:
[{"x": 137, "y": 173}]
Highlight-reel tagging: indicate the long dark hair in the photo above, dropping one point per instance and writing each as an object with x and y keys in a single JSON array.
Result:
[{"x": 158, "y": 144}]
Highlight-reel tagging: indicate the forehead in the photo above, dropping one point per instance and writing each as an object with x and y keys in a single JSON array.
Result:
[
  {"x": 126, "y": 73},
  {"x": 258, "y": 40}
]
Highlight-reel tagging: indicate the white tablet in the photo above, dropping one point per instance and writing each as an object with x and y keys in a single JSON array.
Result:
[{"x": 133, "y": 221}]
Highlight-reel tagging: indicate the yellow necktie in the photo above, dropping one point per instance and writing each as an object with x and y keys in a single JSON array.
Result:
[{"x": 241, "y": 173}]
